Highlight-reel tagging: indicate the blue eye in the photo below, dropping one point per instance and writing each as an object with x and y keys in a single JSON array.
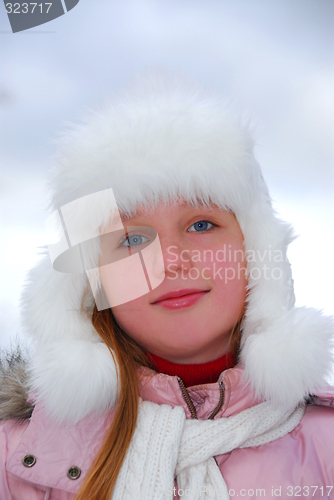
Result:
[
  {"x": 134, "y": 240},
  {"x": 201, "y": 226}
]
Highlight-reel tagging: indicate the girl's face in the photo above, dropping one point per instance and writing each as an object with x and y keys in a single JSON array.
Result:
[{"x": 204, "y": 264}]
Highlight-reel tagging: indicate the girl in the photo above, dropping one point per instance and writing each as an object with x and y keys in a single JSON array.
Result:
[{"x": 169, "y": 359}]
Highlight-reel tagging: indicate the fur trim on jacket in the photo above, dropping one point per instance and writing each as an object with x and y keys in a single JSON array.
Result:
[{"x": 13, "y": 388}]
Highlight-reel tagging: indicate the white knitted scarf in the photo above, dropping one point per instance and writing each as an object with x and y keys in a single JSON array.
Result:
[{"x": 166, "y": 445}]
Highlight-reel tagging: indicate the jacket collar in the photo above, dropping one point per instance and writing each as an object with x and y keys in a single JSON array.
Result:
[{"x": 230, "y": 394}]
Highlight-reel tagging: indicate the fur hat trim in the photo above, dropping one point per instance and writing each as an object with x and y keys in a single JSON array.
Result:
[{"x": 161, "y": 140}]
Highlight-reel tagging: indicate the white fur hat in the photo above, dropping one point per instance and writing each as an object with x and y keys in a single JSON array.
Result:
[{"x": 162, "y": 139}]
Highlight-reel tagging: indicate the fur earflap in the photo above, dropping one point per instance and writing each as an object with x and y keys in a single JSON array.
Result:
[
  {"x": 291, "y": 357},
  {"x": 74, "y": 378}
]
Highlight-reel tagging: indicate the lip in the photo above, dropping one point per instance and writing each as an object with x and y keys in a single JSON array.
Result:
[{"x": 180, "y": 298}]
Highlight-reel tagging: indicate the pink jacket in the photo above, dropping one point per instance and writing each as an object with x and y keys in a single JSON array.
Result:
[{"x": 300, "y": 464}]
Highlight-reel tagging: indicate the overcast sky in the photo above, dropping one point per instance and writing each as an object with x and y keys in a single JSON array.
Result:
[{"x": 275, "y": 58}]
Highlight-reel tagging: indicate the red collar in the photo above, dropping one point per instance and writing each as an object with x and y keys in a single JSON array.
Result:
[{"x": 194, "y": 374}]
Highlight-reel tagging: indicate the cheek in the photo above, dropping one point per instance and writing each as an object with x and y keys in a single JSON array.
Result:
[
  {"x": 132, "y": 315},
  {"x": 230, "y": 293},
  {"x": 227, "y": 271},
  {"x": 124, "y": 281}
]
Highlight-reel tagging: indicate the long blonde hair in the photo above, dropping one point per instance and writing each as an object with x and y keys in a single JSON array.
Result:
[{"x": 101, "y": 478}]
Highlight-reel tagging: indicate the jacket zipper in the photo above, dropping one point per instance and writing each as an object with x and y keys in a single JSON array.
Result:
[
  {"x": 220, "y": 402},
  {"x": 190, "y": 404},
  {"x": 187, "y": 398}
]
